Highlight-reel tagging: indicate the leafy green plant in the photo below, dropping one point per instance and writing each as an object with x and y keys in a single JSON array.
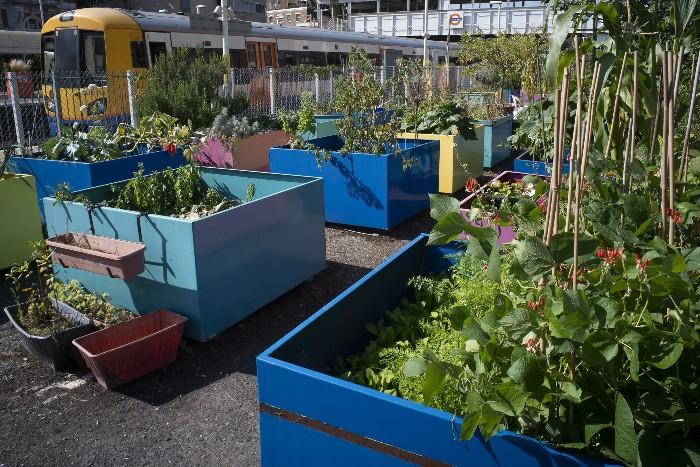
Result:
[
  {"x": 445, "y": 118},
  {"x": 185, "y": 84},
  {"x": 34, "y": 286},
  {"x": 358, "y": 95},
  {"x": 177, "y": 192},
  {"x": 94, "y": 145},
  {"x": 301, "y": 123},
  {"x": 159, "y": 131},
  {"x": 230, "y": 128}
]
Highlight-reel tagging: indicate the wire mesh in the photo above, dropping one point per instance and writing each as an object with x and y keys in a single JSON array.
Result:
[{"x": 41, "y": 101}]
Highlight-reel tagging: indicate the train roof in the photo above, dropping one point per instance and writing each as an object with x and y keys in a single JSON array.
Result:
[
  {"x": 104, "y": 18},
  {"x": 292, "y": 32}
]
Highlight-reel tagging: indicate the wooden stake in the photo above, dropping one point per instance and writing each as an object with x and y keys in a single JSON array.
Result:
[
  {"x": 576, "y": 138},
  {"x": 632, "y": 133},
  {"x": 691, "y": 113},
  {"x": 616, "y": 106},
  {"x": 664, "y": 147},
  {"x": 593, "y": 97},
  {"x": 673, "y": 64}
]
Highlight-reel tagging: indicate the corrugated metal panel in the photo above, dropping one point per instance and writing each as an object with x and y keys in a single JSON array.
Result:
[{"x": 20, "y": 42}]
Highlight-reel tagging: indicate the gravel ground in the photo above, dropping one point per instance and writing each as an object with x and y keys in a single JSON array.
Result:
[{"x": 201, "y": 410}]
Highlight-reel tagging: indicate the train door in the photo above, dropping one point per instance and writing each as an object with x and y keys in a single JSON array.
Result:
[
  {"x": 261, "y": 54},
  {"x": 157, "y": 43}
]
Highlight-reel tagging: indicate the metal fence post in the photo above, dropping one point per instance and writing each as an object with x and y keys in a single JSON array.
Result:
[
  {"x": 132, "y": 98},
  {"x": 56, "y": 102},
  {"x": 233, "y": 81},
  {"x": 271, "y": 75},
  {"x": 331, "y": 87},
  {"x": 317, "y": 87},
  {"x": 16, "y": 109}
]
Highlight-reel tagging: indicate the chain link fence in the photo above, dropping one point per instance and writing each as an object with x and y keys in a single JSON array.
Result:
[{"x": 32, "y": 103}]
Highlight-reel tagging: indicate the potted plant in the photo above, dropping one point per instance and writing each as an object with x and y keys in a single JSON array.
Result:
[
  {"x": 461, "y": 151},
  {"x": 240, "y": 142},
  {"x": 371, "y": 179},
  {"x": 49, "y": 314},
  {"x": 538, "y": 146},
  {"x": 84, "y": 159},
  {"x": 20, "y": 211},
  {"x": 210, "y": 238},
  {"x": 22, "y": 71}
]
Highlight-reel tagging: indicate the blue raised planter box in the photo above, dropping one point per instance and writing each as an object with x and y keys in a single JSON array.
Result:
[
  {"x": 525, "y": 164},
  {"x": 495, "y": 137},
  {"x": 49, "y": 174},
  {"x": 215, "y": 270},
  {"x": 367, "y": 190},
  {"x": 308, "y": 417}
]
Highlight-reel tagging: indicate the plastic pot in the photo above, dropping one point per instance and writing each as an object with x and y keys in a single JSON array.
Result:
[
  {"x": 129, "y": 350},
  {"x": 101, "y": 255},
  {"x": 55, "y": 350}
]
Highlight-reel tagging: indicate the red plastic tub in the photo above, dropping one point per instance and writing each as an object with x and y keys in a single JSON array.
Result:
[{"x": 129, "y": 350}]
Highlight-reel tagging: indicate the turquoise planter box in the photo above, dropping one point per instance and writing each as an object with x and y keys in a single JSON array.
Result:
[
  {"x": 367, "y": 190},
  {"x": 496, "y": 146},
  {"x": 325, "y": 124},
  {"x": 525, "y": 164},
  {"x": 310, "y": 417},
  {"x": 50, "y": 174},
  {"x": 215, "y": 270}
]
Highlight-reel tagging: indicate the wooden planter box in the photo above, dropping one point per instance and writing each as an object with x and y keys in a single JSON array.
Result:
[
  {"x": 250, "y": 153},
  {"x": 50, "y": 174},
  {"x": 460, "y": 159},
  {"x": 367, "y": 190},
  {"x": 21, "y": 222},
  {"x": 309, "y": 417},
  {"x": 215, "y": 270},
  {"x": 495, "y": 138}
]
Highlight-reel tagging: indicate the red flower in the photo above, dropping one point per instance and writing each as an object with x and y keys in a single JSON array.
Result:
[
  {"x": 641, "y": 263},
  {"x": 537, "y": 306},
  {"x": 472, "y": 184},
  {"x": 542, "y": 203},
  {"x": 676, "y": 216},
  {"x": 171, "y": 148},
  {"x": 609, "y": 255},
  {"x": 531, "y": 345}
]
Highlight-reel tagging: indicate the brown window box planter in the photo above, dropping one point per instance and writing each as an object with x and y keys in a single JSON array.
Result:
[{"x": 102, "y": 255}]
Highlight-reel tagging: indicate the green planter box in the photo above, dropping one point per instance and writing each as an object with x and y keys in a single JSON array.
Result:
[{"x": 21, "y": 222}]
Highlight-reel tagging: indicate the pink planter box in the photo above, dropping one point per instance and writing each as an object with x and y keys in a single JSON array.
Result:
[
  {"x": 251, "y": 152},
  {"x": 505, "y": 234}
]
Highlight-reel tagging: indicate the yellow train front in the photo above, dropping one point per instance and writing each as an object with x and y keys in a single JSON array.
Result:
[{"x": 86, "y": 54}]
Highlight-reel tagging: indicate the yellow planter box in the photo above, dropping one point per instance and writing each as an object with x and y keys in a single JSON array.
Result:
[
  {"x": 21, "y": 224},
  {"x": 460, "y": 159}
]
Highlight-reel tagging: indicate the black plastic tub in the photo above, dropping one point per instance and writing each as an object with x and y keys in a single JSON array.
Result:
[{"x": 56, "y": 350}]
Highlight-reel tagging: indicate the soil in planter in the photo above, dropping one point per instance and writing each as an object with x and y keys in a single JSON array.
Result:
[{"x": 41, "y": 318}]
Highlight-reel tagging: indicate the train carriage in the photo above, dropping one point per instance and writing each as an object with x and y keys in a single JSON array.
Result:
[{"x": 90, "y": 50}]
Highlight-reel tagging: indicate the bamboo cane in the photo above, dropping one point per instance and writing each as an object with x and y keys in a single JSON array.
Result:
[
  {"x": 632, "y": 132},
  {"x": 564, "y": 123},
  {"x": 576, "y": 138},
  {"x": 664, "y": 147},
  {"x": 673, "y": 64},
  {"x": 593, "y": 97},
  {"x": 691, "y": 114},
  {"x": 616, "y": 106},
  {"x": 550, "y": 198}
]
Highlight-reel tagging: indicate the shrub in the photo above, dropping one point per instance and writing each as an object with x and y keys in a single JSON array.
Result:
[{"x": 185, "y": 84}]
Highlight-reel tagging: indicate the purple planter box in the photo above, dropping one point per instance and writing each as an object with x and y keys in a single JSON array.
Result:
[{"x": 505, "y": 234}]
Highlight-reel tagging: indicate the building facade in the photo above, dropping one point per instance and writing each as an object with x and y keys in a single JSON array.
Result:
[{"x": 26, "y": 15}]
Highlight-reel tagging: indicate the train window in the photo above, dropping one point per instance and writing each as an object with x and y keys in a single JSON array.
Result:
[
  {"x": 66, "y": 46},
  {"x": 238, "y": 58},
  {"x": 252, "y": 56},
  {"x": 48, "y": 47},
  {"x": 267, "y": 54},
  {"x": 139, "y": 58},
  {"x": 93, "y": 56},
  {"x": 156, "y": 49}
]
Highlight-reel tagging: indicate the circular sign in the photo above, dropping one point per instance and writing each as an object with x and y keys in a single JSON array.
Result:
[{"x": 455, "y": 19}]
